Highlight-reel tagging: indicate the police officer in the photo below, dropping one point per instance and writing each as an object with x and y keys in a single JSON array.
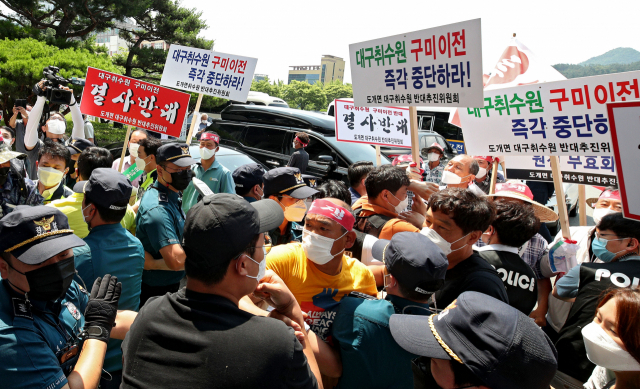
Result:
[
  {"x": 617, "y": 244},
  {"x": 75, "y": 146},
  {"x": 42, "y": 325},
  {"x": 249, "y": 180},
  {"x": 160, "y": 222},
  {"x": 15, "y": 188},
  {"x": 113, "y": 250},
  {"x": 147, "y": 163}
]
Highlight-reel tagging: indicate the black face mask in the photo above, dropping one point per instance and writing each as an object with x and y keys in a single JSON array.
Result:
[
  {"x": 50, "y": 282},
  {"x": 4, "y": 173},
  {"x": 181, "y": 179}
]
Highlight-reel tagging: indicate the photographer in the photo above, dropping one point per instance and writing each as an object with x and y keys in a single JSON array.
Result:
[
  {"x": 53, "y": 129},
  {"x": 24, "y": 112}
]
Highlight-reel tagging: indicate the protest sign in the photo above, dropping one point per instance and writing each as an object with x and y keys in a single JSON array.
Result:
[
  {"x": 386, "y": 126},
  {"x": 133, "y": 102},
  {"x": 133, "y": 172},
  {"x": 440, "y": 66},
  {"x": 625, "y": 136},
  {"x": 204, "y": 71},
  {"x": 556, "y": 118},
  {"x": 587, "y": 170}
]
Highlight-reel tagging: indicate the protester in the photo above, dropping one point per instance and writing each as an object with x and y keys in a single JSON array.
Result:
[
  {"x": 415, "y": 268},
  {"x": 52, "y": 333},
  {"x": 300, "y": 158},
  {"x": 612, "y": 343},
  {"x": 90, "y": 159},
  {"x": 16, "y": 130},
  {"x": 16, "y": 189},
  {"x": 53, "y": 161},
  {"x": 249, "y": 180},
  {"x": 8, "y": 136},
  {"x": 160, "y": 222},
  {"x": 617, "y": 245},
  {"x": 75, "y": 147},
  {"x": 461, "y": 172},
  {"x": 542, "y": 192},
  {"x": 456, "y": 218},
  {"x": 434, "y": 167},
  {"x": 512, "y": 227},
  {"x": 16, "y": 123},
  {"x": 113, "y": 250},
  {"x": 134, "y": 143},
  {"x": 198, "y": 337},
  {"x": 357, "y": 173},
  {"x": 483, "y": 178},
  {"x": 53, "y": 130},
  {"x": 88, "y": 129},
  {"x": 286, "y": 186},
  {"x": 334, "y": 189},
  {"x": 477, "y": 341},
  {"x": 217, "y": 177},
  {"x": 146, "y": 162},
  {"x": 204, "y": 123},
  {"x": 405, "y": 161}
]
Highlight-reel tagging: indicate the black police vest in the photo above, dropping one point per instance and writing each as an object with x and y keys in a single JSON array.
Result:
[
  {"x": 595, "y": 279},
  {"x": 517, "y": 276}
]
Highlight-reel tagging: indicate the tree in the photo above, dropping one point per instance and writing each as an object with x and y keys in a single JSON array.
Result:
[
  {"x": 70, "y": 18},
  {"x": 275, "y": 89},
  {"x": 162, "y": 20},
  {"x": 337, "y": 90},
  {"x": 302, "y": 95},
  {"x": 22, "y": 61}
]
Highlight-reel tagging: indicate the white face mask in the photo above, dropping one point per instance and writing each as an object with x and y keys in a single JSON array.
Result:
[
  {"x": 7, "y": 142},
  {"x": 133, "y": 149},
  {"x": 317, "y": 247},
  {"x": 206, "y": 153},
  {"x": 57, "y": 127},
  {"x": 440, "y": 242},
  {"x": 204, "y": 121},
  {"x": 605, "y": 352},
  {"x": 451, "y": 178},
  {"x": 140, "y": 163},
  {"x": 84, "y": 218},
  {"x": 294, "y": 145},
  {"x": 432, "y": 157},
  {"x": 295, "y": 212},
  {"x": 481, "y": 173},
  {"x": 49, "y": 176},
  {"x": 262, "y": 266},
  {"x": 599, "y": 213},
  {"x": 402, "y": 205}
]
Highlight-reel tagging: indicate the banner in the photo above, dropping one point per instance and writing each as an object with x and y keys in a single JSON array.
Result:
[
  {"x": 587, "y": 170},
  {"x": 386, "y": 126},
  {"x": 133, "y": 102},
  {"x": 438, "y": 67},
  {"x": 208, "y": 72},
  {"x": 556, "y": 118}
]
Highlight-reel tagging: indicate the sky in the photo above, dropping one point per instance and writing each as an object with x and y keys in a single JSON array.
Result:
[{"x": 284, "y": 33}]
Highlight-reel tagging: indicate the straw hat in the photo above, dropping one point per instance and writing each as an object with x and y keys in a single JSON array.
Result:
[
  {"x": 606, "y": 194},
  {"x": 522, "y": 192}
]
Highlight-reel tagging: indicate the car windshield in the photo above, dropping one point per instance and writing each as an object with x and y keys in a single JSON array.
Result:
[{"x": 356, "y": 151}]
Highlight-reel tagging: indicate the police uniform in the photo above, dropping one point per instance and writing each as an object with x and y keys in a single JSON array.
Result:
[
  {"x": 75, "y": 146},
  {"x": 246, "y": 177},
  {"x": 146, "y": 184},
  {"x": 159, "y": 223},
  {"x": 15, "y": 189}
]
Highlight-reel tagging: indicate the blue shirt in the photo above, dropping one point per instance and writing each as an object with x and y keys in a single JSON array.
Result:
[
  {"x": 218, "y": 178},
  {"x": 114, "y": 251},
  {"x": 370, "y": 357},
  {"x": 32, "y": 340},
  {"x": 10, "y": 195},
  {"x": 159, "y": 223},
  {"x": 568, "y": 285},
  {"x": 354, "y": 195}
]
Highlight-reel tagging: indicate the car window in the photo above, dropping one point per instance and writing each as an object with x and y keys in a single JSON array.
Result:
[
  {"x": 269, "y": 139},
  {"x": 233, "y": 161},
  {"x": 229, "y": 132},
  {"x": 446, "y": 129},
  {"x": 316, "y": 148},
  {"x": 428, "y": 140}
]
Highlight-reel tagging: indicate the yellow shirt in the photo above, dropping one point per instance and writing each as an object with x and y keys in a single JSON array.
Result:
[
  {"x": 319, "y": 294},
  {"x": 72, "y": 208}
]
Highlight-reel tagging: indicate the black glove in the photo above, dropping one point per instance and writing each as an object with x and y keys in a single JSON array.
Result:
[
  {"x": 102, "y": 308},
  {"x": 37, "y": 91}
]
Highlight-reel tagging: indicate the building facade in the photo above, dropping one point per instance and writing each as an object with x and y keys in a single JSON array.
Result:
[
  {"x": 260, "y": 77},
  {"x": 110, "y": 38},
  {"x": 331, "y": 69}
]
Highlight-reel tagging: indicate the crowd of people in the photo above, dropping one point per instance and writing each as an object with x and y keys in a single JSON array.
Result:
[{"x": 411, "y": 276}]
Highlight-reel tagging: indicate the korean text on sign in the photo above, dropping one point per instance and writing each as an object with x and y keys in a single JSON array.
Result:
[
  {"x": 588, "y": 170},
  {"x": 439, "y": 66},
  {"x": 133, "y": 102},
  {"x": 566, "y": 117},
  {"x": 203, "y": 71},
  {"x": 385, "y": 126}
]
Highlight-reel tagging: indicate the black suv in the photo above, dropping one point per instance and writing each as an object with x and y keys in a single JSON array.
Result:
[
  {"x": 267, "y": 133},
  {"x": 426, "y": 139}
]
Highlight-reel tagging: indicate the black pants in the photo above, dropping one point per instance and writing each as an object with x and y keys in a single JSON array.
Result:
[
  {"x": 114, "y": 383},
  {"x": 148, "y": 291}
]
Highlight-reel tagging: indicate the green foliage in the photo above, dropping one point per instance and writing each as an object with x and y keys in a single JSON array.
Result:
[
  {"x": 304, "y": 96},
  {"x": 620, "y": 55},
  {"x": 22, "y": 61},
  {"x": 337, "y": 90},
  {"x": 575, "y": 71},
  {"x": 105, "y": 133},
  {"x": 267, "y": 87}
]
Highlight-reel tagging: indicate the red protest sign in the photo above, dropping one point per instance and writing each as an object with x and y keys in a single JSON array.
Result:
[{"x": 133, "y": 102}]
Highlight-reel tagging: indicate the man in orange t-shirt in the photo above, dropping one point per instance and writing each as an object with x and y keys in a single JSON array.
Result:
[{"x": 317, "y": 271}]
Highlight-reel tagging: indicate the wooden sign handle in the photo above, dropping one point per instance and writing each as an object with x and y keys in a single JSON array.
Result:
[
  {"x": 560, "y": 199},
  {"x": 194, "y": 119},
  {"x": 124, "y": 149}
]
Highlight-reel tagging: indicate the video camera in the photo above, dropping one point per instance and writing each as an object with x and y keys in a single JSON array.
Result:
[{"x": 53, "y": 81}]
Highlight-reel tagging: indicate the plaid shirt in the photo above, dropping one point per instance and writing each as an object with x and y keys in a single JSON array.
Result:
[
  {"x": 434, "y": 175},
  {"x": 10, "y": 196},
  {"x": 531, "y": 252}
]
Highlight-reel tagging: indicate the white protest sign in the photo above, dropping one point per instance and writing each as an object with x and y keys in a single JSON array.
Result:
[
  {"x": 384, "y": 126},
  {"x": 625, "y": 136},
  {"x": 555, "y": 118},
  {"x": 209, "y": 72},
  {"x": 438, "y": 67},
  {"x": 586, "y": 170}
]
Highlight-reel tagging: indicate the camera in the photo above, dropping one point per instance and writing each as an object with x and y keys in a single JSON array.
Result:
[{"x": 53, "y": 93}]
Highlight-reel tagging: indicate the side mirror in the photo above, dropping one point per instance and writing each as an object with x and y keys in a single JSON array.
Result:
[{"x": 325, "y": 160}]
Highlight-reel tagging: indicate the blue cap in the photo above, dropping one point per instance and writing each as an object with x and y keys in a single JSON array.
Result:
[
  {"x": 107, "y": 188},
  {"x": 414, "y": 260},
  {"x": 177, "y": 153},
  {"x": 499, "y": 344},
  {"x": 78, "y": 145},
  {"x": 286, "y": 181},
  {"x": 247, "y": 176}
]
